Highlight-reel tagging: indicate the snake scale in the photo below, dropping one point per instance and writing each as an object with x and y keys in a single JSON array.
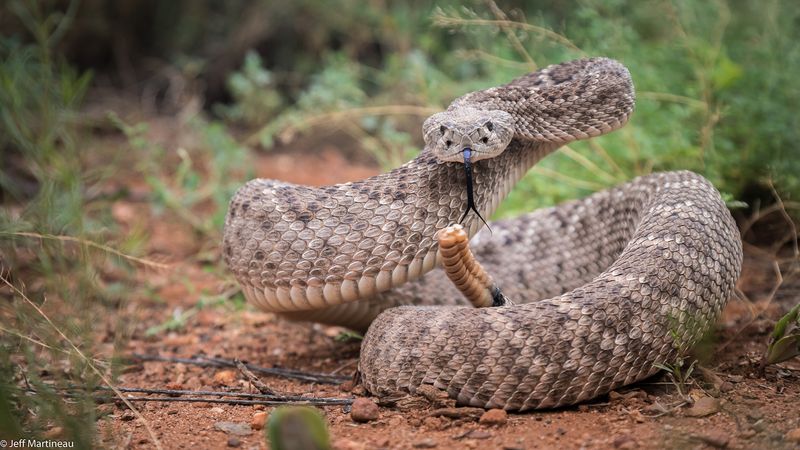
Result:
[{"x": 604, "y": 287}]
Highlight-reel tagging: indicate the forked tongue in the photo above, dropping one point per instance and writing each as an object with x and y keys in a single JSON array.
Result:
[{"x": 470, "y": 197}]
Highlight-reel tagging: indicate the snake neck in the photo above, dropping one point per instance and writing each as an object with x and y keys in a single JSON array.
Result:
[{"x": 300, "y": 248}]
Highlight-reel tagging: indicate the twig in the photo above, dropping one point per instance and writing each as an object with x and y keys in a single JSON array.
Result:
[
  {"x": 766, "y": 304},
  {"x": 240, "y": 395},
  {"x": 445, "y": 21},
  {"x": 512, "y": 38},
  {"x": 276, "y": 402},
  {"x": 88, "y": 243},
  {"x": 314, "y": 402},
  {"x": 276, "y": 371},
  {"x": 344, "y": 366},
  {"x": 254, "y": 380}
]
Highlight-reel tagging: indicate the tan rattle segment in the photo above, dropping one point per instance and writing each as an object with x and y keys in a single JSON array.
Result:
[{"x": 465, "y": 271}]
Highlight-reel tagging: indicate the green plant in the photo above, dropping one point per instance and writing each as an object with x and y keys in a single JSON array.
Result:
[
  {"x": 52, "y": 221},
  {"x": 784, "y": 341},
  {"x": 679, "y": 374}
]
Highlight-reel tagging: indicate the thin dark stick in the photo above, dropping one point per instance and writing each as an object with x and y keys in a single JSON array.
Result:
[
  {"x": 217, "y": 393},
  {"x": 316, "y": 402},
  {"x": 254, "y": 380},
  {"x": 219, "y": 362}
]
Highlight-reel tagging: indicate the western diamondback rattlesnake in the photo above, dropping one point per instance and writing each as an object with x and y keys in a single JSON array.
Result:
[{"x": 611, "y": 284}]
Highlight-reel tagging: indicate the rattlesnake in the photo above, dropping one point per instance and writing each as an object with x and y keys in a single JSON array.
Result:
[{"x": 610, "y": 284}]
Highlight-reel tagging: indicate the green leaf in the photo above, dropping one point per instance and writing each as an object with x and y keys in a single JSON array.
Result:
[
  {"x": 784, "y": 349},
  {"x": 785, "y": 338}
]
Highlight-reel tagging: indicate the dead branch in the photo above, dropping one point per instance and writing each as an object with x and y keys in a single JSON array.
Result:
[
  {"x": 253, "y": 379},
  {"x": 203, "y": 361}
]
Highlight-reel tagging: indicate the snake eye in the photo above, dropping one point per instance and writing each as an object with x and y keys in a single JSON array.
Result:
[
  {"x": 489, "y": 126},
  {"x": 449, "y": 143},
  {"x": 442, "y": 129},
  {"x": 484, "y": 139}
]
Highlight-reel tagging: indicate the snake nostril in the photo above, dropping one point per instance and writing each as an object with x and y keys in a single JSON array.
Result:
[
  {"x": 489, "y": 126},
  {"x": 442, "y": 129},
  {"x": 485, "y": 139},
  {"x": 448, "y": 143}
]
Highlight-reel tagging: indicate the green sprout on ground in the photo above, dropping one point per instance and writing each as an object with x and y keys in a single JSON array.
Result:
[
  {"x": 784, "y": 342},
  {"x": 297, "y": 428},
  {"x": 679, "y": 374},
  {"x": 347, "y": 336}
]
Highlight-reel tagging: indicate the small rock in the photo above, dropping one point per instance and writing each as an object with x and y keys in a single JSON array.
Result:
[
  {"x": 760, "y": 425},
  {"x": 434, "y": 423},
  {"x": 726, "y": 386},
  {"x": 234, "y": 428},
  {"x": 193, "y": 383},
  {"x": 425, "y": 443},
  {"x": 735, "y": 378},
  {"x": 625, "y": 442},
  {"x": 748, "y": 433},
  {"x": 716, "y": 439},
  {"x": 225, "y": 377},
  {"x": 637, "y": 416},
  {"x": 473, "y": 434},
  {"x": 704, "y": 406},
  {"x": 258, "y": 421},
  {"x": 347, "y": 444},
  {"x": 216, "y": 410},
  {"x": 494, "y": 417},
  {"x": 793, "y": 435},
  {"x": 754, "y": 415},
  {"x": 127, "y": 417},
  {"x": 234, "y": 442},
  {"x": 364, "y": 410},
  {"x": 175, "y": 386}
]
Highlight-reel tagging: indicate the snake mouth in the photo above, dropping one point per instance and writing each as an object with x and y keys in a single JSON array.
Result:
[{"x": 467, "y": 154}]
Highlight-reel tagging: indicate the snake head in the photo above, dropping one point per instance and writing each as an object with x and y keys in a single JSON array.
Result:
[{"x": 486, "y": 133}]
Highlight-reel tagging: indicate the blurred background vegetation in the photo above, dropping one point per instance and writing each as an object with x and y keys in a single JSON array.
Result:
[{"x": 717, "y": 92}]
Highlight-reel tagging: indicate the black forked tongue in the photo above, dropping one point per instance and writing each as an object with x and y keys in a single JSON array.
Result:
[{"x": 470, "y": 197}]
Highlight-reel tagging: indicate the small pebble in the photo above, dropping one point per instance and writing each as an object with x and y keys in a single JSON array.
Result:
[
  {"x": 364, "y": 410},
  {"x": 225, "y": 377},
  {"x": 704, "y": 406},
  {"x": 425, "y": 443},
  {"x": 258, "y": 421},
  {"x": 716, "y": 439},
  {"x": 494, "y": 417},
  {"x": 234, "y": 442},
  {"x": 625, "y": 442},
  {"x": 234, "y": 428},
  {"x": 793, "y": 435}
]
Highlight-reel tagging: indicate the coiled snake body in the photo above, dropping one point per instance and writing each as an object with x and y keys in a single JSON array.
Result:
[{"x": 610, "y": 284}]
